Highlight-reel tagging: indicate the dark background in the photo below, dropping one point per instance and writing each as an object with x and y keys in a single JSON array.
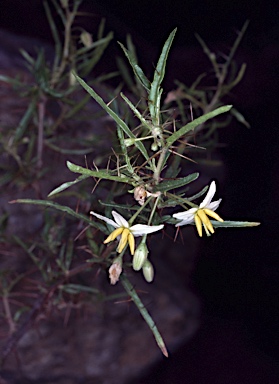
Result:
[{"x": 237, "y": 272}]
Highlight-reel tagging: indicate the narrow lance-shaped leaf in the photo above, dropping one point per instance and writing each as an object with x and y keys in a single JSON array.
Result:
[
  {"x": 193, "y": 124},
  {"x": 172, "y": 184},
  {"x": 62, "y": 208},
  {"x": 136, "y": 68},
  {"x": 115, "y": 117},
  {"x": 101, "y": 174},
  {"x": 67, "y": 185},
  {"x": 230, "y": 224},
  {"x": 136, "y": 112},
  {"x": 155, "y": 92},
  {"x": 143, "y": 311}
]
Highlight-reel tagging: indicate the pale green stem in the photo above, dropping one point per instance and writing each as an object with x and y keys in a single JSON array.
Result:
[
  {"x": 182, "y": 201},
  {"x": 153, "y": 210},
  {"x": 143, "y": 311},
  {"x": 132, "y": 219},
  {"x": 157, "y": 172}
]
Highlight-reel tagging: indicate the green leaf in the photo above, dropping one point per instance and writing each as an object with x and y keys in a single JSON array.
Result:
[
  {"x": 155, "y": 90},
  {"x": 240, "y": 117},
  {"x": 193, "y": 124},
  {"x": 197, "y": 195},
  {"x": 143, "y": 311},
  {"x": 77, "y": 288},
  {"x": 239, "y": 224},
  {"x": 136, "y": 112},
  {"x": 63, "y": 208},
  {"x": 66, "y": 185},
  {"x": 101, "y": 174},
  {"x": 136, "y": 68},
  {"x": 165, "y": 186},
  {"x": 25, "y": 120},
  {"x": 115, "y": 117}
]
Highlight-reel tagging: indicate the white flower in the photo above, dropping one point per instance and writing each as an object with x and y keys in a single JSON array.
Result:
[
  {"x": 127, "y": 232},
  {"x": 199, "y": 214}
]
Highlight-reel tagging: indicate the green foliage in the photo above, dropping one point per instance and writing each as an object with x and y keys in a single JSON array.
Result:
[
  {"x": 52, "y": 88},
  {"x": 149, "y": 152}
]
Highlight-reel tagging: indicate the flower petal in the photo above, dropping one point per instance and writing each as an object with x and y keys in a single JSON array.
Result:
[
  {"x": 214, "y": 205},
  {"x": 185, "y": 215},
  {"x": 186, "y": 221},
  {"x": 209, "y": 195},
  {"x": 121, "y": 222},
  {"x": 107, "y": 220},
  {"x": 141, "y": 229}
]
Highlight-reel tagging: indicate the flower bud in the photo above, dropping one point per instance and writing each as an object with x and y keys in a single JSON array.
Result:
[
  {"x": 154, "y": 147},
  {"x": 148, "y": 271},
  {"x": 140, "y": 194},
  {"x": 115, "y": 270},
  {"x": 129, "y": 142},
  {"x": 140, "y": 256}
]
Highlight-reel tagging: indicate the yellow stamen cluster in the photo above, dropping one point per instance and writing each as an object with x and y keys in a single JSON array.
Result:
[
  {"x": 126, "y": 237},
  {"x": 201, "y": 218}
]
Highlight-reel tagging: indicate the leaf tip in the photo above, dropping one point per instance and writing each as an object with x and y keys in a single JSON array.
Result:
[{"x": 164, "y": 351}]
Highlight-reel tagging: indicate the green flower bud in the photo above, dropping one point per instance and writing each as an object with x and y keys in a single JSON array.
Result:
[
  {"x": 140, "y": 256},
  {"x": 148, "y": 271},
  {"x": 154, "y": 147},
  {"x": 129, "y": 142}
]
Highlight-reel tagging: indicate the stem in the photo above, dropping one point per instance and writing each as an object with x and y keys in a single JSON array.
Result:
[
  {"x": 70, "y": 16},
  {"x": 153, "y": 210},
  {"x": 40, "y": 143},
  {"x": 150, "y": 322},
  {"x": 157, "y": 172},
  {"x": 132, "y": 219},
  {"x": 8, "y": 313}
]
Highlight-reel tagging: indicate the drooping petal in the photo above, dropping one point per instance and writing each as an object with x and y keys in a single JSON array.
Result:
[
  {"x": 214, "y": 205},
  {"x": 120, "y": 221},
  {"x": 186, "y": 221},
  {"x": 123, "y": 240},
  {"x": 209, "y": 195},
  {"x": 107, "y": 220},
  {"x": 209, "y": 212},
  {"x": 131, "y": 242},
  {"x": 186, "y": 215},
  {"x": 113, "y": 235},
  {"x": 141, "y": 229}
]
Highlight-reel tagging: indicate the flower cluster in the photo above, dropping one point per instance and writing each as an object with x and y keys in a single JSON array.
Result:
[
  {"x": 126, "y": 233},
  {"x": 199, "y": 215}
]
